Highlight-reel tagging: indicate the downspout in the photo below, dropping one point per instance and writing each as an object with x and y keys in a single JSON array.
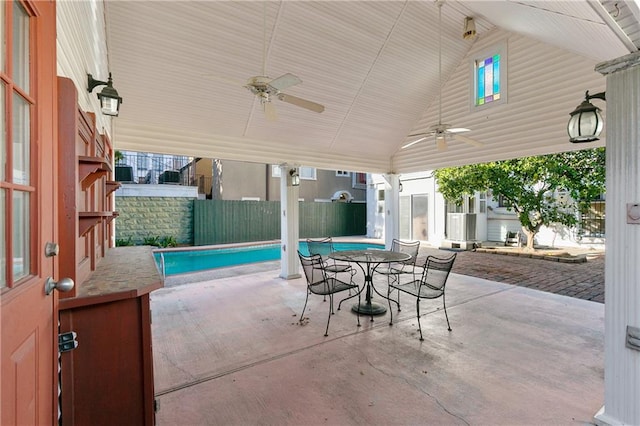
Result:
[{"x": 267, "y": 179}]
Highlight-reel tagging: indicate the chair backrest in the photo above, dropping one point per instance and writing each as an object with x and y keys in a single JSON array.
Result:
[
  {"x": 436, "y": 271},
  {"x": 323, "y": 247},
  {"x": 313, "y": 268},
  {"x": 408, "y": 247},
  {"x": 317, "y": 280}
]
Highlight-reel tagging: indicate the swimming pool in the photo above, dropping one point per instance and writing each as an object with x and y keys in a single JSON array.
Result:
[{"x": 185, "y": 261}]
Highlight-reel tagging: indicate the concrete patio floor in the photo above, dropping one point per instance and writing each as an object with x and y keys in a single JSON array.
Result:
[{"x": 230, "y": 351}]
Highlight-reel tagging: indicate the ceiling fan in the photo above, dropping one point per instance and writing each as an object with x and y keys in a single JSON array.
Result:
[
  {"x": 266, "y": 88},
  {"x": 441, "y": 132}
]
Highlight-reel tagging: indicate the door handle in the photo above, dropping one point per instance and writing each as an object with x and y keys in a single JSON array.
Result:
[{"x": 64, "y": 285}]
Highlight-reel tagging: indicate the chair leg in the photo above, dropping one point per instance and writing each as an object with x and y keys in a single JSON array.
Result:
[
  {"x": 305, "y": 307},
  {"x": 445, "y": 312},
  {"x": 357, "y": 293},
  {"x": 395, "y": 280},
  {"x": 352, "y": 272},
  {"x": 357, "y": 311},
  {"x": 418, "y": 314},
  {"x": 353, "y": 295},
  {"x": 326, "y": 332},
  {"x": 390, "y": 310}
]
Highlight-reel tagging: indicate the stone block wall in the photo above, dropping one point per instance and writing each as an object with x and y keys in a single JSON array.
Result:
[{"x": 144, "y": 216}]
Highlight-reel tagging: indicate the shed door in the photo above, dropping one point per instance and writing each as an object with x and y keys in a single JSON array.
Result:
[{"x": 27, "y": 193}]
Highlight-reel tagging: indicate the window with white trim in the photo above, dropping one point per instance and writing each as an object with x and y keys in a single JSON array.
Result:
[
  {"x": 343, "y": 173},
  {"x": 306, "y": 173},
  {"x": 359, "y": 180},
  {"x": 471, "y": 204},
  {"x": 482, "y": 197}
]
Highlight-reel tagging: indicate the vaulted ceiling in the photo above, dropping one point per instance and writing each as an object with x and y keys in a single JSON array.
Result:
[{"x": 181, "y": 67}]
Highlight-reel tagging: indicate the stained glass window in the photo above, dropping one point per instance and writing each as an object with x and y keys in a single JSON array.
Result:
[{"x": 488, "y": 80}]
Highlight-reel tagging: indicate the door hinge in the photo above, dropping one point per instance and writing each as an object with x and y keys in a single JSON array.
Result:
[
  {"x": 67, "y": 341},
  {"x": 156, "y": 405}
]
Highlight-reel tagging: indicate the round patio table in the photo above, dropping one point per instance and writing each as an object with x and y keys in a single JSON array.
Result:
[{"x": 368, "y": 261}]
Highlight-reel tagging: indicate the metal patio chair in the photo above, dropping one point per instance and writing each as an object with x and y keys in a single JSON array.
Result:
[
  {"x": 394, "y": 271},
  {"x": 319, "y": 282},
  {"x": 324, "y": 247},
  {"x": 430, "y": 285}
]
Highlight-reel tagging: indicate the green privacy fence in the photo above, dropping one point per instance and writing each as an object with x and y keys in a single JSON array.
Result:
[
  {"x": 226, "y": 221},
  {"x": 332, "y": 219}
]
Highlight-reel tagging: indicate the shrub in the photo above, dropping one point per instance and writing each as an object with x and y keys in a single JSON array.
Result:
[
  {"x": 151, "y": 241},
  {"x": 168, "y": 242},
  {"x": 121, "y": 242},
  {"x": 158, "y": 241}
]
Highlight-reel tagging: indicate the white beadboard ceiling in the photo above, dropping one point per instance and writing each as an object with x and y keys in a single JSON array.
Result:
[{"x": 180, "y": 67}]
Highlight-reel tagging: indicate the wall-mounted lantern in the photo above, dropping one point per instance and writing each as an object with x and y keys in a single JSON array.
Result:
[
  {"x": 585, "y": 124},
  {"x": 109, "y": 99},
  {"x": 294, "y": 177}
]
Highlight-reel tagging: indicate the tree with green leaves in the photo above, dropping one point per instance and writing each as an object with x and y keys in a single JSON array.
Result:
[{"x": 530, "y": 185}]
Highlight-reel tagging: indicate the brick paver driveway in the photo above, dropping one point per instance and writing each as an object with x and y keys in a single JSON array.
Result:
[{"x": 580, "y": 280}]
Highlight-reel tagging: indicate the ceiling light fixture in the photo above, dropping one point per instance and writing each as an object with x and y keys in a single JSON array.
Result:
[
  {"x": 109, "y": 99},
  {"x": 585, "y": 124},
  {"x": 469, "y": 31}
]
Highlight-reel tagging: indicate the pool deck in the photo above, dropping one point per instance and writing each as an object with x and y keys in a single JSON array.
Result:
[{"x": 229, "y": 350}]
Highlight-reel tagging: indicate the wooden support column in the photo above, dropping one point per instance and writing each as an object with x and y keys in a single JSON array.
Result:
[
  {"x": 622, "y": 269},
  {"x": 289, "y": 226},
  {"x": 391, "y": 208}
]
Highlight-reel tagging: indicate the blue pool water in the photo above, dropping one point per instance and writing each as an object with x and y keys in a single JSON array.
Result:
[{"x": 184, "y": 261}]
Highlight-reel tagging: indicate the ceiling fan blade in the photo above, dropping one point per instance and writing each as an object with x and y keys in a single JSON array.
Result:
[
  {"x": 284, "y": 81},
  {"x": 294, "y": 100},
  {"x": 423, "y": 137},
  {"x": 458, "y": 130},
  {"x": 469, "y": 140},
  {"x": 270, "y": 111},
  {"x": 441, "y": 143}
]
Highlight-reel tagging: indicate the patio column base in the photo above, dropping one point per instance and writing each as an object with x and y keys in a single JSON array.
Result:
[
  {"x": 601, "y": 419},
  {"x": 290, "y": 276}
]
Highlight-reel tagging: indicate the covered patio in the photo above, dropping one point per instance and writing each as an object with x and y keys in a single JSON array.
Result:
[
  {"x": 383, "y": 71},
  {"x": 230, "y": 351}
]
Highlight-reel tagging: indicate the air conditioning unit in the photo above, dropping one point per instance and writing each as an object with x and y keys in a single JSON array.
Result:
[
  {"x": 461, "y": 226},
  {"x": 124, "y": 174},
  {"x": 169, "y": 177}
]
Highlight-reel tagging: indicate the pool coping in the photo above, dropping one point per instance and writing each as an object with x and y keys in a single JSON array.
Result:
[{"x": 216, "y": 246}]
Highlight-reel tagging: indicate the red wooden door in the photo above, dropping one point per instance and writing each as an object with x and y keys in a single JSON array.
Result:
[{"x": 28, "y": 155}]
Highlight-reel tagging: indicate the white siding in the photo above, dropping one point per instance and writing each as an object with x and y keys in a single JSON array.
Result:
[
  {"x": 82, "y": 50},
  {"x": 497, "y": 228},
  {"x": 545, "y": 84}
]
